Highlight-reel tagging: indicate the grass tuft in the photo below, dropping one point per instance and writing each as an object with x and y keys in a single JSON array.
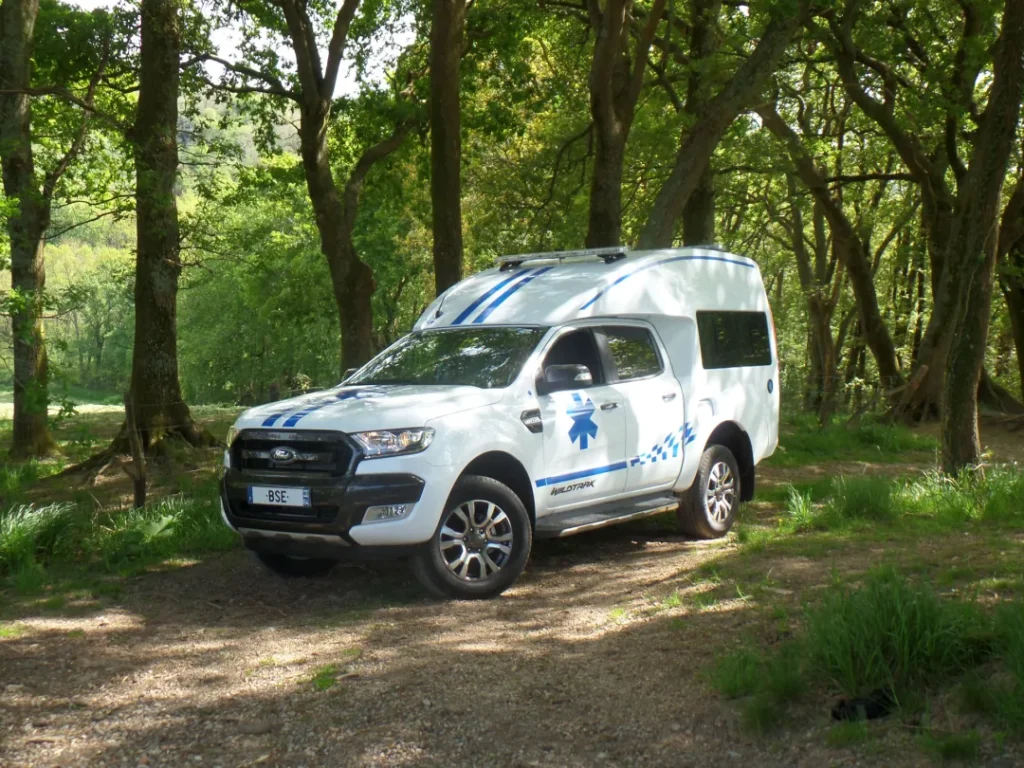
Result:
[
  {"x": 894, "y": 635},
  {"x": 35, "y": 539},
  {"x": 952, "y": 746},
  {"x": 325, "y": 678}
]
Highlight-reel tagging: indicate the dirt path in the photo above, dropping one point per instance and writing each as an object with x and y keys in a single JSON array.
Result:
[{"x": 588, "y": 661}]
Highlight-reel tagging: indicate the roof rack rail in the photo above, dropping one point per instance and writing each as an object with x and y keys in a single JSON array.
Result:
[{"x": 607, "y": 255}]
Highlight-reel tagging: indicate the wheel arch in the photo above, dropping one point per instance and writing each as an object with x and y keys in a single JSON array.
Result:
[
  {"x": 732, "y": 436},
  {"x": 506, "y": 469}
]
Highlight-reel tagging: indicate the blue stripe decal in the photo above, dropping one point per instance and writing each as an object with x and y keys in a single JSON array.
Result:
[
  {"x": 294, "y": 418},
  {"x": 508, "y": 292},
  {"x": 628, "y": 275},
  {"x": 473, "y": 307},
  {"x": 583, "y": 473},
  {"x": 272, "y": 418}
]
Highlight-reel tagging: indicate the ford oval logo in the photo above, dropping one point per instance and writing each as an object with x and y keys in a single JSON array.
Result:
[{"x": 283, "y": 455}]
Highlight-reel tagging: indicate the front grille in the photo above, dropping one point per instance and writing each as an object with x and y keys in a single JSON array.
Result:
[
  {"x": 317, "y": 453},
  {"x": 317, "y": 514}
]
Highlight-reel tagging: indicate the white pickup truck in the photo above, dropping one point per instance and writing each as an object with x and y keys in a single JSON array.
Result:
[{"x": 554, "y": 394}]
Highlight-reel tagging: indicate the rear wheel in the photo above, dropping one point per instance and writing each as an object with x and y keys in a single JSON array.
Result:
[
  {"x": 294, "y": 567},
  {"x": 709, "y": 508},
  {"x": 481, "y": 544}
]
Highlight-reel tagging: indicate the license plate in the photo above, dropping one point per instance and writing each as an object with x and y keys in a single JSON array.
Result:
[{"x": 279, "y": 497}]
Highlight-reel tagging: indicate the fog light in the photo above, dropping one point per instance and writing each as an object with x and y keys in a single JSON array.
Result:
[{"x": 386, "y": 512}]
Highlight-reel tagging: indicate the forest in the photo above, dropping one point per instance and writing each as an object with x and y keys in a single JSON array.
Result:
[
  {"x": 225, "y": 203},
  {"x": 209, "y": 205}
]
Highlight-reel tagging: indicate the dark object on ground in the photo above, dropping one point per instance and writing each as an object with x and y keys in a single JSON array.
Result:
[{"x": 876, "y": 704}]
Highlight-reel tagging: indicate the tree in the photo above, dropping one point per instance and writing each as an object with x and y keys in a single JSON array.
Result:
[
  {"x": 972, "y": 250},
  {"x": 446, "y": 44},
  {"x": 615, "y": 82},
  {"x": 311, "y": 90},
  {"x": 159, "y": 407},
  {"x": 33, "y": 197},
  {"x": 699, "y": 142}
]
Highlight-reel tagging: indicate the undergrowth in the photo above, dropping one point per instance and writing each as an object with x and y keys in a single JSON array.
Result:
[
  {"x": 37, "y": 540},
  {"x": 942, "y": 501},
  {"x": 803, "y": 442},
  {"x": 891, "y": 637}
]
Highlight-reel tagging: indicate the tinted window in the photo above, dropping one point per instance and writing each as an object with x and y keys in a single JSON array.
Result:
[
  {"x": 576, "y": 348},
  {"x": 633, "y": 352},
  {"x": 477, "y": 357},
  {"x": 734, "y": 339}
]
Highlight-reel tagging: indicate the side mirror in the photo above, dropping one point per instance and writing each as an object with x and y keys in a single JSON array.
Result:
[
  {"x": 349, "y": 372},
  {"x": 558, "y": 378}
]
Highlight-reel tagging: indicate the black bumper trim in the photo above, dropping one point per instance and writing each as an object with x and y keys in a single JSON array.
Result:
[{"x": 338, "y": 504}]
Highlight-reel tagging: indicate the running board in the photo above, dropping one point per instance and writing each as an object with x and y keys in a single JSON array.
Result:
[{"x": 561, "y": 524}]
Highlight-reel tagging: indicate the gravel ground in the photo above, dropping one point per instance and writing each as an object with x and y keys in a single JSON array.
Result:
[{"x": 584, "y": 663}]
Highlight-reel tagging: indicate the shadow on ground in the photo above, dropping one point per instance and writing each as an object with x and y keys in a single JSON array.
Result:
[{"x": 594, "y": 658}]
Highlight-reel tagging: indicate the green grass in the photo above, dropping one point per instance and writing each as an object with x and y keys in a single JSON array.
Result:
[
  {"x": 767, "y": 683},
  {"x": 325, "y": 678},
  {"x": 39, "y": 543},
  {"x": 930, "y": 502},
  {"x": 887, "y": 633},
  {"x": 803, "y": 442},
  {"x": 10, "y": 631},
  {"x": 957, "y": 747},
  {"x": 848, "y": 734},
  {"x": 892, "y": 634}
]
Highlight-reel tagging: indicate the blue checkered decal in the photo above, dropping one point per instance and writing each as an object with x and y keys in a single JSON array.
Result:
[{"x": 667, "y": 448}]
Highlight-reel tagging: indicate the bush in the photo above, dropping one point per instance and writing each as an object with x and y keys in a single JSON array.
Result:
[
  {"x": 32, "y": 539},
  {"x": 890, "y": 634},
  {"x": 29, "y": 535}
]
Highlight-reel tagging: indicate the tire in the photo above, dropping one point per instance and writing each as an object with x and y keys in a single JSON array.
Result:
[
  {"x": 458, "y": 562},
  {"x": 709, "y": 507},
  {"x": 295, "y": 567}
]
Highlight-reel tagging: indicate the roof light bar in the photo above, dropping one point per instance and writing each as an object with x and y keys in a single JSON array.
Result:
[{"x": 607, "y": 255}]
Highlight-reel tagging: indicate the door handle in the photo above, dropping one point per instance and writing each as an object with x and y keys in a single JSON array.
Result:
[
  {"x": 609, "y": 406},
  {"x": 669, "y": 397}
]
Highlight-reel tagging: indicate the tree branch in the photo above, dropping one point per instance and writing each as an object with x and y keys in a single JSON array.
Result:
[{"x": 337, "y": 47}]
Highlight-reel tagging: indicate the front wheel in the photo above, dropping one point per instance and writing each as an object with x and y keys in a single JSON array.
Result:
[
  {"x": 481, "y": 544},
  {"x": 709, "y": 508}
]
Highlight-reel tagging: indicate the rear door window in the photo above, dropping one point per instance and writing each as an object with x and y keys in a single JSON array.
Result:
[
  {"x": 633, "y": 352},
  {"x": 734, "y": 339}
]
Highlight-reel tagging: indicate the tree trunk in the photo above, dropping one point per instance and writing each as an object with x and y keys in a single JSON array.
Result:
[
  {"x": 604, "y": 226},
  {"x": 155, "y": 388},
  {"x": 699, "y": 212},
  {"x": 351, "y": 279},
  {"x": 697, "y": 147},
  {"x": 972, "y": 248},
  {"x": 446, "y": 33},
  {"x": 615, "y": 82},
  {"x": 853, "y": 253},
  {"x": 1012, "y": 283},
  {"x": 26, "y": 228}
]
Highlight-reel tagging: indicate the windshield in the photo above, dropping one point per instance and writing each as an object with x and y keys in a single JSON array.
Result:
[{"x": 488, "y": 358}]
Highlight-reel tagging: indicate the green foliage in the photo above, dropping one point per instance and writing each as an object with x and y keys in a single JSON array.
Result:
[
  {"x": 866, "y": 501},
  {"x": 952, "y": 746},
  {"x": 325, "y": 678},
  {"x": 37, "y": 540},
  {"x": 768, "y": 683},
  {"x": 886, "y": 637},
  {"x": 892, "y": 635},
  {"x": 803, "y": 442}
]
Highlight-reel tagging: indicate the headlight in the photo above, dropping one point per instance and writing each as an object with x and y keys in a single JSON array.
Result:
[
  {"x": 232, "y": 434},
  {"x": 392, "y": 442}
]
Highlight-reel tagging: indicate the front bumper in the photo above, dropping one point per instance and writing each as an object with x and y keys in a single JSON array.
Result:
[{"x": 338, "y": 504}]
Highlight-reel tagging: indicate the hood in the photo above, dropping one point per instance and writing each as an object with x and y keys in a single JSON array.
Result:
[{"x": 357, "y": 409}]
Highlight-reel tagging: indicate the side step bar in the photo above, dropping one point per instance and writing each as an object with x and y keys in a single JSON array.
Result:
[{"x": 562, "y": 524}]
